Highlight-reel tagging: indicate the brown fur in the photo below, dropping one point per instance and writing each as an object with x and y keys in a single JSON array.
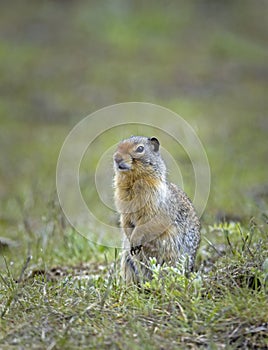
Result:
[{"x": 157, "y": 217}]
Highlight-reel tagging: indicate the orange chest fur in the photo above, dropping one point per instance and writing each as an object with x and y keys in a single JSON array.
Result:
[{"x": 137, "y": 197}]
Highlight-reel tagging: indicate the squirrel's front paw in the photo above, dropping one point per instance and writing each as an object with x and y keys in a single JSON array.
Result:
[
  {"x": 135, "y": 250},
  {"x": 136, "y": 242}
]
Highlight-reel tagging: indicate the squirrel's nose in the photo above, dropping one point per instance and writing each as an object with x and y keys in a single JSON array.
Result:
[{"x": 120, "y": 163}]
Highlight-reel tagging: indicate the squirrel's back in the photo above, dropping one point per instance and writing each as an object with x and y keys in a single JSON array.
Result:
[{"x": 157, "y": 217}]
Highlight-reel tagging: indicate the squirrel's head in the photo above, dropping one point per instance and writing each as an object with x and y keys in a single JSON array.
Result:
[{"x": 139, "y": 155}]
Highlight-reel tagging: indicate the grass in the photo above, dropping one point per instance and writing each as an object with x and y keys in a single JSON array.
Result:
[
  {"x": 60, "y": 61},
  {"x": 71, "y": 296}
]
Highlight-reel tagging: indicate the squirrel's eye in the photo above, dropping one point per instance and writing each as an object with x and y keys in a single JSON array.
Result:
[{"x": 140, "y": 149}]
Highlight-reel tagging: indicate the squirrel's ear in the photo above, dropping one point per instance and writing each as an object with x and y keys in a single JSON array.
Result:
[{"x": 155, "y": 143}]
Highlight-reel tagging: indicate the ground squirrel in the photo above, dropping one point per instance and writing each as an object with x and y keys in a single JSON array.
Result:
[{"x": 157, "y": 217}]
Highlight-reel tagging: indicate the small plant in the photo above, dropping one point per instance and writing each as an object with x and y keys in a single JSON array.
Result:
[{"x": 173, "y": 279}]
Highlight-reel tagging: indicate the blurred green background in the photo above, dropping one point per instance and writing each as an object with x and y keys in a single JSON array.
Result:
[{"x": 62, "y": 60}]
